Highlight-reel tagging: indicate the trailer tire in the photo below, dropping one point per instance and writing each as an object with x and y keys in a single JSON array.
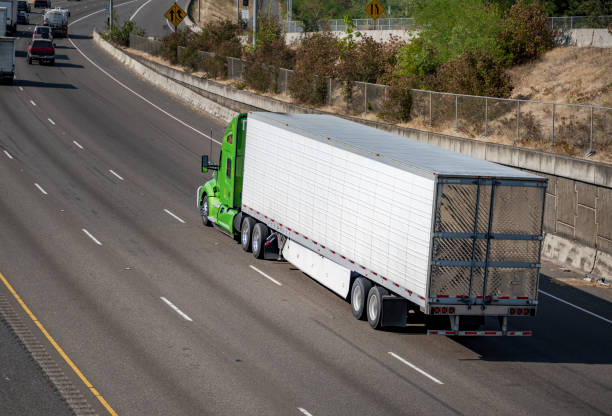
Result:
[
  {"x": 374, "y": 306},
  {"x": 204, "y": 210},
  {"x": 260, "y": 234},
  {"x": 359, "y": 294},
  {"x": 246, "y": 230}
]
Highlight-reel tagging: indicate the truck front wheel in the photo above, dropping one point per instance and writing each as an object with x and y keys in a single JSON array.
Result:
[
  {"x": 204, "y": 210},
  {"x": 375, "y": 304},
  {"x": 245, "y": 233},
  {"x": 260, "y": 234},
  {"x": 359, "y": 292}
]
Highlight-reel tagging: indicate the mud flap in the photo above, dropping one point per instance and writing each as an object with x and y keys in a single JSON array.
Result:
[{"x": 394, "y": 311}]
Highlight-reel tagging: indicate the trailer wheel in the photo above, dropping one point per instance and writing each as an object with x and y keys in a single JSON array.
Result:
[
  {"x": 245, "y": 233},
  {"x": 374, "y": 308},
  {"x": 260, "y": 234},
  {"x": 359, "y": 293},
  {"x": 204, "y": 210}
]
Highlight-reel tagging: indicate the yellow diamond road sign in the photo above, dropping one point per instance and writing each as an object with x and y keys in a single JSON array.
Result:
[
  {"x": 375, "y": 9},
  {"x": 175, "y": 14}
]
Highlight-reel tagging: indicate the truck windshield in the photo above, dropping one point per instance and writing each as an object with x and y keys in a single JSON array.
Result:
[{"x": 41, "y": 44}]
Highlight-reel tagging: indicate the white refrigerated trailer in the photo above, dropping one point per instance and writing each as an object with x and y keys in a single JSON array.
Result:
[{"x": 390, "y": 223}]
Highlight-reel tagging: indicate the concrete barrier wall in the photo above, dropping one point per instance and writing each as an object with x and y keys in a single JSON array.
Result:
[
  {"x": 599, "y": 38},
  {"x": 578, "y": 217}
]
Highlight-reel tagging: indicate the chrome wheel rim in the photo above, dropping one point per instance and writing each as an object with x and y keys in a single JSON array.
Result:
[
  {"x": 357, "y": 297},
  {"x": 255, "y": 241},
  {"x": 373, "y": 307},
  {"x": 245, "y": 236}
]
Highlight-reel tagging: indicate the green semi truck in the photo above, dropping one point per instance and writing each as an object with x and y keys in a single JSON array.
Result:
[{"x": 390, "y": 224}]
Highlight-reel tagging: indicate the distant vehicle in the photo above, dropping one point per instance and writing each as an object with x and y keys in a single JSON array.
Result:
[
  {"x": 42, "y": 32},
  {"x": 42, "y": 4},
  {"x": 22, "y": 18},
  {"x": 7, "y": 59},
  {"x": 57, "y": 20},
  {"x": 11, "y": 15},
  {"x": 23, "y": 5},
  {"x": 42, "y": 50}
]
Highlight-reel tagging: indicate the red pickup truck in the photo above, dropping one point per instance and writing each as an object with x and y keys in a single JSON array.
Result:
[{"x": 41, "y": 50}]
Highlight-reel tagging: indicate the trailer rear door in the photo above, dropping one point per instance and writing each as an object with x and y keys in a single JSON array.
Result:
[{"x": 486, "y": 240}]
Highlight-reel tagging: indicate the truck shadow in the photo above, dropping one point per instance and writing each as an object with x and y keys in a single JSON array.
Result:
[
  {"x": 562, "y": 333},
  {"x": 28, "y": 83},
  {"x": 67, "y": 65}
]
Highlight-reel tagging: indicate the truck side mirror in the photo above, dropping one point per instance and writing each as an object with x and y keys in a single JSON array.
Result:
[{"x": 204, "y": 163}]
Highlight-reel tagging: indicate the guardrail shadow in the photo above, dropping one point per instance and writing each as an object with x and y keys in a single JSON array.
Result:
[
  {"x": 67, "y": 65},
  {"x": 75, "y": 36},
  {"x": 40, "y": 84},
  {"x": 561, "y": 333}
]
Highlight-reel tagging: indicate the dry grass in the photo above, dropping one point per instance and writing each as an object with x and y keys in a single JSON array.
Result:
[
  {"x": 574, "y": 75},
  {"x": 214, "y": 10}
]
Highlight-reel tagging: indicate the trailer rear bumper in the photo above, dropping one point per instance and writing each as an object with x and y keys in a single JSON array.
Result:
[{"x": 480, "y": 333}]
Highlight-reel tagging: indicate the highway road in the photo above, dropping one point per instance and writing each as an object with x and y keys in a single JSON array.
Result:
[{"x": 102, "y": 241}]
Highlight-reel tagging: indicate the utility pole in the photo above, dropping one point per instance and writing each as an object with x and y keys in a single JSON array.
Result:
[
  {"x": 289, "y": 10},
  {"x": 199, "y": 3},
  {"x": 254, "y": 23},
  {"x": 238, "y": 12},
  {"x": 110, "y": 14}
]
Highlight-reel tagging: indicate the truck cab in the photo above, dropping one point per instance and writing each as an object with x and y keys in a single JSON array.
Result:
[{"x": 219, "y": 199}]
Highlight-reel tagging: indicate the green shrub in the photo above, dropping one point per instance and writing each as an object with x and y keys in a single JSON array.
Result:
[
  {"x": 315, "y": 61},
  {"x": 171, "y": 41},
  {"x": 271, "y": 53},
  {"x": 474, "y": 73},
  {"x": 397, "y": 104},
  {"x": 525, "y": 32},
  {"x": 120, "y": 34}
]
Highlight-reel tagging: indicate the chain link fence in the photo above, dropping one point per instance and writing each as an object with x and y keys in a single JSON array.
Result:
[
  {"x": 570, "y": 129},
  {"x": 407, "y": 23},
  {"x": 580, "y": 22},
  {"x": 145, "y": 44}
]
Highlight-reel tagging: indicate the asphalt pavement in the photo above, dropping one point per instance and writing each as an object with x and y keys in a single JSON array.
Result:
[{"x": 102, "y": 240}]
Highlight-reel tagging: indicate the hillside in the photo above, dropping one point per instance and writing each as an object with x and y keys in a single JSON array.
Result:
[{"x": 567, "y": 75}]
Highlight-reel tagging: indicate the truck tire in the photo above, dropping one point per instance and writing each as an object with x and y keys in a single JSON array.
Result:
[
  {"x": 260, "y": 234},
  {"x": 245, "y": 233},
  {"x": 374, "y": 307},
  {"x": 359, "y": 293},
  {"x": 204, "y": 210}
]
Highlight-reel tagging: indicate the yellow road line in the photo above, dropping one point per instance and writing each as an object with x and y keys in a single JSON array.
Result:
[{"x": 58, "y": 348}]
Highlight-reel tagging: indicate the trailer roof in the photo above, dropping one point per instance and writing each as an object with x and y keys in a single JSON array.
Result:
[{"x": 387, "y": 147}]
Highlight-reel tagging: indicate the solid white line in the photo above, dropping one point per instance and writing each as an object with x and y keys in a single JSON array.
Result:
[
  {"x": 177, "y": 310},
  {"x": 304, "y": 411},
  {"x": 51, "y": 121},
  {"x": 138, "y": 9},
  {"x": 77, "y": 144},
  {"x": 414, "y": 367},
  {"x": 171, "y": 214},
  {"x": 33, "y": 103},
  {"x": 576, "y": 306},
  {"x": 20, "y": 89},
  {"x": 91, "y": 236},
  {"x": 265, "y": 275},
  {"x": 40, "y": 188},
  {"x": 115, "y": 173},
  {"x": 131, "y": 90},
  {"x": 8, "y": 154}
]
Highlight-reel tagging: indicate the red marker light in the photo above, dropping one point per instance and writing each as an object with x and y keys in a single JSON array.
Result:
[
  {"x": 526, "y": 311},
  {"x": 443, "y": 310},
  {"x": 519, "y": 311},
  {"x": 511, "y": 311},
  {"x": 436, "y": 310},
  {"x": 451, "y": 310}
]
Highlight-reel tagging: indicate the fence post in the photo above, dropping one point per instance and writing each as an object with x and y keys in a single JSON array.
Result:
[
  {"x": 518, "y": 121},
  {"x": 456, "y": 114},
  {"x": 286, "y": 81},
  {"x": 552, "y": 140},
  {"x": 590, "y": 152},
  {"x": 571, "y": 22},
  {"x": 365, "y": 99},
  {"x": 486, "y": 116},
  {"x": 329, "y": 92},
  {"x": 430, "y": 125}
]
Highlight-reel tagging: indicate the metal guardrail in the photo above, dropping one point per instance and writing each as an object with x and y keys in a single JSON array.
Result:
[
  {"x": 571, "y": 129},
  {"x": 406, "y": 23}
]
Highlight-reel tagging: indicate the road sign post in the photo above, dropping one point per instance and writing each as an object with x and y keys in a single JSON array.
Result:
[{"x": 175, "y": 15}]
